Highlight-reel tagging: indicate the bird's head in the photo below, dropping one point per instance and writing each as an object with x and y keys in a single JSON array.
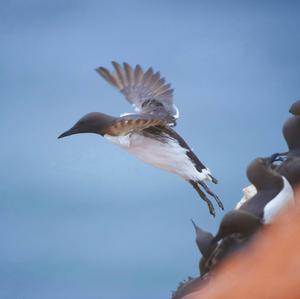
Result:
[
  {"x": 295, "y": 108},
  {"x": 94, "y": 122},
  {"x": 291, "y": 128},
  {"x": 291, "y": 132},
  {"x": 203, "y": 240},
  {"x": 260, "y": 172}
]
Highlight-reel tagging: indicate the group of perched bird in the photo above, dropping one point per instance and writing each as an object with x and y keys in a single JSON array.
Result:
[
  {"x": 273, "y": 180},
  {"x": 148, "y": 134}
]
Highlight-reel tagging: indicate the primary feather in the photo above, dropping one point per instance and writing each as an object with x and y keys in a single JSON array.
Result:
[{"x": 146, "y": 91}]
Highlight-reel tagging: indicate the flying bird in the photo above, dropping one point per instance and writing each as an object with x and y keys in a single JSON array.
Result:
[{"x": 148, "y": 133}]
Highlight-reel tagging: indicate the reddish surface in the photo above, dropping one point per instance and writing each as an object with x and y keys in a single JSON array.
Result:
[{"x": 269, "y": 269}]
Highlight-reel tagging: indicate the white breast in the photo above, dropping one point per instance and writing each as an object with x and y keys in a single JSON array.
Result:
[
  {"x": 169, "y": 156},
  {"x": 283, "y": 199}
]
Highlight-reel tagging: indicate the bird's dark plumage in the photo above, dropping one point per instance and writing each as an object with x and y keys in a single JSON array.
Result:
[
  {"x": 290, "y": 167},
  {"x": 237, "y": 222},
  {"x": 273, "y": 190},
  {"x": 204, "y": 241},
  {"x": 295, "y": 108},
  {"x": 291, "y": 134}
]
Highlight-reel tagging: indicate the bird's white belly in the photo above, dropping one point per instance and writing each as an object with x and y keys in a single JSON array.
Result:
[
  {"x": 283, "y": 199},
  {"x": 169, "y": 156}
]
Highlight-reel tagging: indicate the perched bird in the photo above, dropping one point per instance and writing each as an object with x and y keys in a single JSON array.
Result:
[
  {"x": 236, "y": 229},
  {"x": 250, "y": 191},
  {"x": 203, "y": 239},
  {"x": 148, "y": 133},
  {"x": 291, "y": 131},
  {"x": 295, "y": 108},
  {"x": 274, "y": 192},
  {"x": 205, "y": 245},
  {"x": 291, "y": 134},
  {"x": 290, "y": 168},
  {"x": 237, "y": 222}
]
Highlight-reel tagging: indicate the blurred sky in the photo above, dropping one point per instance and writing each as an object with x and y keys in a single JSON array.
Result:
[{"x": 79, "y": 217}]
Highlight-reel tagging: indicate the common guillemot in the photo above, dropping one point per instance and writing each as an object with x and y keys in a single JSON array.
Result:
[
  {"x": 274, "y": 191},
  {"x": 237, "y": 222},
  {"x": 205, "y": 246},
  {"x": 204, "y": 241},
  {"x": 290, "y": 168},
  {"x": 148, "y": 133},
  {"x": 236, "y": 229}
]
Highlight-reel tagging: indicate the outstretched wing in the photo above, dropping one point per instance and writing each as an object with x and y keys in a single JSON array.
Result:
[{"x": 146, "y": 91}]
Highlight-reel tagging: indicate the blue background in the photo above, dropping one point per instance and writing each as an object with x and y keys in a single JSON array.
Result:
[{"x": 79, "y": 217}]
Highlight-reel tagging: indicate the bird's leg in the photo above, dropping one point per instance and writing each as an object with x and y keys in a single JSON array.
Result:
[
  {"x": 203, "y": 196},
  {"x": 219, "y": 202}
]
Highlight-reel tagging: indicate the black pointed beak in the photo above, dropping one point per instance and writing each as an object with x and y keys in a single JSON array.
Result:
[
  {"x": 67, "y": 133},
  {"x": 194, "y": 224}
]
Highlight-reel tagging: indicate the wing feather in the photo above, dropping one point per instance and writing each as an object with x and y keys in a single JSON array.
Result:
[
  {"x": 162, "y": 89},
  {"x": 129, "y": 73},
  {"x": 154, "y": 80},
  {"x": 119, "y": 73},
  {"x": 138, "y": 74},
  {"x": 111, "y": 79},
  {"x": 146, "y": 91}
]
